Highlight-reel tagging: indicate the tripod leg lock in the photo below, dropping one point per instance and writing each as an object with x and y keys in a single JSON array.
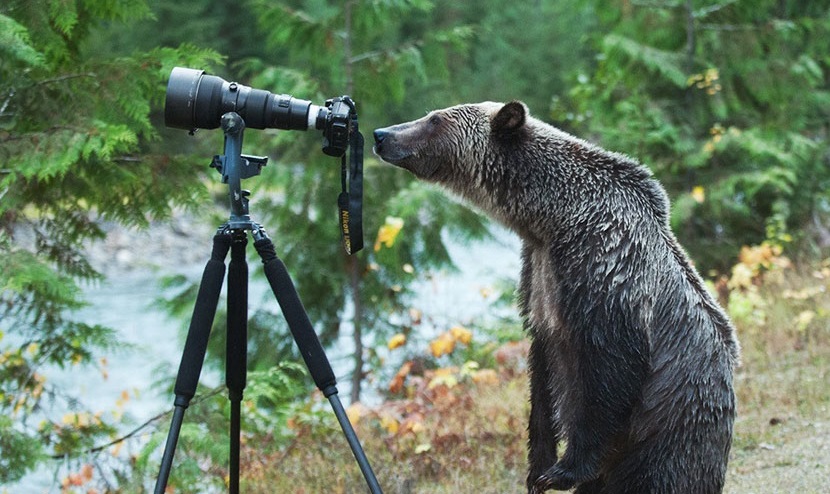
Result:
[
  {"x": 182, "y": 401},
  {"x": 329, "y": 390}
]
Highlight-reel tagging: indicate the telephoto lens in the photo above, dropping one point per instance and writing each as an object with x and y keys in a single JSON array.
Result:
[{"x": 196, "y": 100}]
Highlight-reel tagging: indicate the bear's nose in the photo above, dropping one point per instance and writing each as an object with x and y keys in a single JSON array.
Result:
[{"x": 380, "y": 135}]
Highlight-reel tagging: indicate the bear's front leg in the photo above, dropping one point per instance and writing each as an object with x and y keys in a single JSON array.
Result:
[
  {"x": 562, "y": 477},
  {"x": 554, "y": 478},
  {"x": 563, "y": 481},
  {"x": 576, "y": 466},
  {"x": 543, "y": 430},
  {"x": 610, "y": 362}
]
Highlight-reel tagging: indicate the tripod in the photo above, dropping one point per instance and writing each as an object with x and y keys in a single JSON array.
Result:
[{"x": 233, "y": 236}]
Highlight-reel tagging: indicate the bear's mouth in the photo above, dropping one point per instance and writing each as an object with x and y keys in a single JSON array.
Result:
[
  {"x": 410, "y": 162},
  {"x": 393, "y": 157}
]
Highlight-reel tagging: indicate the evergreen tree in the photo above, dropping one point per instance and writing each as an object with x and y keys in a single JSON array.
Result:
[
  {"x": 73, "y": 130},
  {"x": 375, "y": 53},
  {"x": 727, "y": 102},
  {"x": 522, "y": 50}
]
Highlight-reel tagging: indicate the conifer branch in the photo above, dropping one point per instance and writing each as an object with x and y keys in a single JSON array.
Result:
[
  {"x": 713, "y": 8},
  {"x": 656, "y": 5},
  {"x": 62, "y": 78},
  {"x": 135, "y": 431}
]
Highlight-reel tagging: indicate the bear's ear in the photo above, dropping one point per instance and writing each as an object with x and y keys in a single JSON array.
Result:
[{"x": 510, "y": 118}]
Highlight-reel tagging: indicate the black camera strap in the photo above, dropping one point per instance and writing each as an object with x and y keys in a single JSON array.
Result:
[{"x": 350, "y": 200}]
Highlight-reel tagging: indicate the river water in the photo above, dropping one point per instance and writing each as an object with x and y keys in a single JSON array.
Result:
[{"x": 127, "y": 381}]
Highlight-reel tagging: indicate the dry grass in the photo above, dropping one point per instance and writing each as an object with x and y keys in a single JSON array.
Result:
[
  {"x": 782, "y": 439},
  {"x": 465, "y": 438},
  {"x": 470, "y": 437}
]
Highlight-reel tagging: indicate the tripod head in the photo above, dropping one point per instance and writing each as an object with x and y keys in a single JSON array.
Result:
[{"x": 195, "y": 100}]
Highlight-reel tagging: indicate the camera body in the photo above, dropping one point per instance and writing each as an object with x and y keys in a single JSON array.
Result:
[{"x": 335, "y": 124}]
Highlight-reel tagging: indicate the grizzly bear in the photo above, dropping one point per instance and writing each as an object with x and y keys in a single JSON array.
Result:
[{"x": 631, "y": 358}]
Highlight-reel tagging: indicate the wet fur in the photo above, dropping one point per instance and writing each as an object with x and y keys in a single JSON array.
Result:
[{"x": 631, "y": 359}]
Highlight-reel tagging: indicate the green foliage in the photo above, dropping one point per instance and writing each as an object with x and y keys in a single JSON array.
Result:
[
  {"x": 726, "y": 101},
  {"x": 314, "y": 52},
  {"x": 276, "y": 402},
  {"x": 26, "y": 456},
  {"x": 515, "y": 50},
  {"x": 15, "y": 44},
  {"x": 663, "y": 63},
  {"x": 373, "y": 51},
  {"x": 721, "y": 98},
  {"x": 73, "y": 136}
]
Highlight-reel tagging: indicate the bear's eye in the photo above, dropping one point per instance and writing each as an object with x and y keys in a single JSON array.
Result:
[{"x": 434, "y": 120}]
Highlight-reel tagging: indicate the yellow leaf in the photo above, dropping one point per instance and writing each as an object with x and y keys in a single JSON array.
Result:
[
  {"x": 390, "y": 424},
  {"x": 76, "y": 419},
  {"x": 398, "y": 381},
  {"x": 443, "y": 377},
  {"x": 741, "y": 276},
  {"x": 469, "y": 367},
  {"x": 485, "y": 376},
  {"x": 396, "y": 341},
  {"x": 442, "y": 345},
  {"x": 698, "y": 194},
  {"x": 354, "y": 412},
  {"x": 803, "y": 319},
  {"x": 709, "y": 147},
  {"x": 462, "y": 334},
  {"x": 86, "y": 472},
  {"x": 388, "y": 232},
  {"x": 123, "y": 399},
  {"x": 444, "y": 371},
  {"x": 116, "y": 448},
  {"x": 422, "y": 448},
  {"x": 693, "y": 79}
]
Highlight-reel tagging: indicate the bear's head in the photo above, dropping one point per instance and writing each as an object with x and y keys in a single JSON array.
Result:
[
  {"x": 453, "y": 144},
  {"x": 531, "y": 176}
]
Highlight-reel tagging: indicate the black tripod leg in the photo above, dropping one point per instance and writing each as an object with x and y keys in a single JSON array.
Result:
[
  {"x": 194, "y": 349},
  {"x": 237, "y": 348},
  {"x": 310, "y": 347}
]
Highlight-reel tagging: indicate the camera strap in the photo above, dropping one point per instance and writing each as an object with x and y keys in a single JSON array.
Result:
[{"x": 350, "y": 200}]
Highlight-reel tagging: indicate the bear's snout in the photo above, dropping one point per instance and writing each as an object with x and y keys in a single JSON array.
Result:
[
  {"x": 380, "y": 135},
  {"x": 388, "y": 147},
  {"x": 402, "y": 145}
]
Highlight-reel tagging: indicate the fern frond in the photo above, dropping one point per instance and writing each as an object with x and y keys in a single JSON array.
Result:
[
  {"x": 664, "y": 63},
  {"x": 15, "y": 43}
]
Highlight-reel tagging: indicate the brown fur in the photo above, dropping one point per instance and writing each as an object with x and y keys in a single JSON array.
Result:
[{"x": 631, "y": 358}]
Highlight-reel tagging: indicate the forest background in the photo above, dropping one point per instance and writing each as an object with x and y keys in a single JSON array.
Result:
[{"x": 726, "y": 101}]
